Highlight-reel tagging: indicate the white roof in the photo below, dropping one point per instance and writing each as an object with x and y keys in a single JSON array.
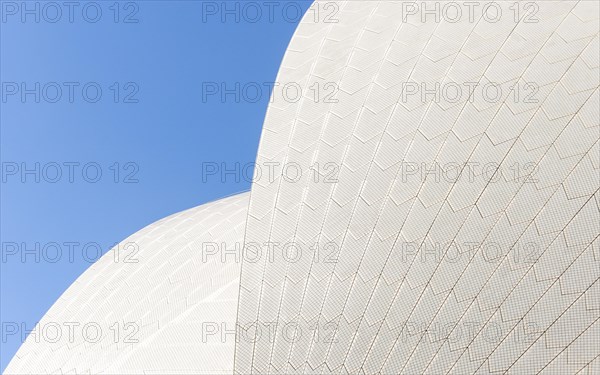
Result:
[
  {"x": 162, "y": 301},
  {"x": 424, "y": 253},
  {"x": 455, "y": 233}
]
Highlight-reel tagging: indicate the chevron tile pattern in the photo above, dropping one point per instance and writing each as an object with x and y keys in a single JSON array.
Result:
[
  {"x": 446, "y": 218},
  {"x": 491, "y": 270},
  {"x": 165, "y": 296}
]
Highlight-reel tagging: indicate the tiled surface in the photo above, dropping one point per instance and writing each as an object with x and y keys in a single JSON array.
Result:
[
  {"x": 516, "y": 250},
  {"x": 167, "y": 295},
  {"x": 489, "y": 265}
]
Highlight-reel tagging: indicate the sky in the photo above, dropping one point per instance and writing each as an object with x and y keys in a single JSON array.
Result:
[{"x": 114, "y": 114}]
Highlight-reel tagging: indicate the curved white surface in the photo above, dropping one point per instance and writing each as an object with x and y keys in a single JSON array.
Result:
[
  {"x": 454, "y": 236},
  {"x": 423, "y": 258},
  {"x": 164, "y": 301}
]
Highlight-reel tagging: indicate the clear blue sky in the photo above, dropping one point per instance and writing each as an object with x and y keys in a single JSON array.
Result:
[{"x": 149, "y": 146}]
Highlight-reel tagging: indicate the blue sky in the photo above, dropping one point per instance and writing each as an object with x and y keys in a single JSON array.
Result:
[{"x": 104, "y": 130}]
